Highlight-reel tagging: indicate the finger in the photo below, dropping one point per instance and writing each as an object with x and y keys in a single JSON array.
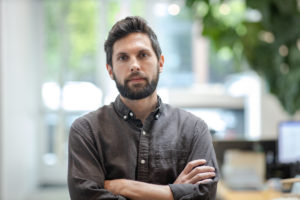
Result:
[
  {"x": 199, "y": 170},
  {"x": 202, "y": 176},
  {"x": 192, "y": 164},
  {"x": 205, "y": 181}
]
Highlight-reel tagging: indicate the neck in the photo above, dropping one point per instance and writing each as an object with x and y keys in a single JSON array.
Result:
[{"x": 142, "y": 107}]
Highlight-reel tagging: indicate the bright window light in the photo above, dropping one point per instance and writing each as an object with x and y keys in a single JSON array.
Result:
[
  {"x": 160, "y": 9},
  {"x": 81, "y": 96},
  {"x": 174, "y": 9},
  {"x": 50, "y": 159},
  {"x": 50, "y": 95},
  {"x": 76, "y": 96}
]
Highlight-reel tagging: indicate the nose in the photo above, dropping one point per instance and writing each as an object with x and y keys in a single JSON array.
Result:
[{"x": 134, "y": 65}]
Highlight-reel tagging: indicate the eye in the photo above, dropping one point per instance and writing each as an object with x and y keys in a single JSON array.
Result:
[
  {"x": 123, "y": 57},
  {"x": 143, "y": 55}
]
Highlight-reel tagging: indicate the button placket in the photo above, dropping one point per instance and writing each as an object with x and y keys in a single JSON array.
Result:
[{"x": 143, "y": 165}]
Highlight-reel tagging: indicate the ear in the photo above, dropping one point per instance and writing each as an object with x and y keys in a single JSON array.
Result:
[
  {"x": 161, "y": 63},
  {"x": 110, "y": 71}
]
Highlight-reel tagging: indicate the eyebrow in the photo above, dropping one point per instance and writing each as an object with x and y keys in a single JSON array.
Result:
[
  {"x": 121, "y": 53},
  {"x": 144, "y": 50},
  {"x": 141, "y": 50}
]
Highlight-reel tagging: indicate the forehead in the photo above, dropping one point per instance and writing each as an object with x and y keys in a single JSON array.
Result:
[{"x": 132, "y": 42}]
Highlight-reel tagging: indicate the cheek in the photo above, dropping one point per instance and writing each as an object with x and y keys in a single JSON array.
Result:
[{"x": 117, "y": 75}]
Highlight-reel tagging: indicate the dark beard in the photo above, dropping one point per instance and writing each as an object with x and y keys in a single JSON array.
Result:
[{"x": 140, "y": 93}]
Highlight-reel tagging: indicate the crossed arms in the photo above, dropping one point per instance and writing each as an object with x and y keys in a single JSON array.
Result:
[
  {"x": 87, "y": 176},
  {"x": 195, "y": 172}
]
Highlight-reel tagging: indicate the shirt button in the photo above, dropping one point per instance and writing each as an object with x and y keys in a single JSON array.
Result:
[
  {"x": 144, "y": 132},
  {"x": 143, "y": 161},
  {"x": 125, "y": 117}
]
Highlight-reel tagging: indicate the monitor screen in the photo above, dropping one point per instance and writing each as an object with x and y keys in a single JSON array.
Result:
[{"x": 289, "y": 142}]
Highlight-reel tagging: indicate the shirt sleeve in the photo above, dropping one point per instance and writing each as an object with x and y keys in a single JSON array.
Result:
[
  {"x": 85, "y": 169},
  {"x": 202, "y": 148}
]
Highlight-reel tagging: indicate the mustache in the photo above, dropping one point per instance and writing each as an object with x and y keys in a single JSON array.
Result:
[{"x": 135, "y": 74}]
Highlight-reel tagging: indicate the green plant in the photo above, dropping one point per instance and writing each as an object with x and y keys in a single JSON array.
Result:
[
  {"x": 264, "y": 32},
  {"x": 71, "y": 40}
]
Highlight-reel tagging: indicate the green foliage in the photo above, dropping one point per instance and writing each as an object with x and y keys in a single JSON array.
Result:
[
  {"x": 113, "y": 9},
  {"x": 264, "y": 32},
  {"x": 72, "y": 36},
  {"x": 71, "y": 39},
  {"x": 138, "y": 7},
  {"x": 82, "y": 24}
]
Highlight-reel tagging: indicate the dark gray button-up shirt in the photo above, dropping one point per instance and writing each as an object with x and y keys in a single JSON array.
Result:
[{"x": 110, "y": 143}]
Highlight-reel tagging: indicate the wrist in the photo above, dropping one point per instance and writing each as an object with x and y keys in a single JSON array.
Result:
[
  {"x": 129, "y": 188},
  {"x": 123, "y": 184}
]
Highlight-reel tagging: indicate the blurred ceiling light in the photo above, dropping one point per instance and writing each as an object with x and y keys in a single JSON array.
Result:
[
  {"x": 283, "y": 50},
  {"x": 266, "y": 36},
  {"x": 224, "y": 9},
  {"x": 160, "y": 9},
  {"x": 174, "y": 9}
]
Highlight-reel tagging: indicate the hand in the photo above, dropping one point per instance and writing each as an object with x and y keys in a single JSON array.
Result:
[
  {"x": 195, "y": 172},
  {"x": 114, "y": 186}
]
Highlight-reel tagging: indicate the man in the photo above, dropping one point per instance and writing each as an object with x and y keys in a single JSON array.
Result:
[{"x": 137, "y": 147}]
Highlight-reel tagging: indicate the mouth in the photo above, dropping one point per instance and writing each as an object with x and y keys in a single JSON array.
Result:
[{"x": 136, "y": 79}]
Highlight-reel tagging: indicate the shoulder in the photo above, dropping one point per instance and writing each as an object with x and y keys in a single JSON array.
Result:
[{"x": 91, "y": 120}]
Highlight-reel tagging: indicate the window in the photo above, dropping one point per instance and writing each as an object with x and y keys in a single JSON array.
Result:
[{"x": 69, "y": 87}]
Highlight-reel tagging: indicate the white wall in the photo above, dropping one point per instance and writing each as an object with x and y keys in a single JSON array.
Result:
[
  {"x": 1, "y": 161},
  {"x": 19, "y": 98}
]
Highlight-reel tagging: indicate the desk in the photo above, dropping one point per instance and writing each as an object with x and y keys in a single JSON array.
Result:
[{"x": 227, "y": 194}]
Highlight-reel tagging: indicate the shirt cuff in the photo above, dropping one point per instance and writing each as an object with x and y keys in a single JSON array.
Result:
[
  {"x": 122, "y": 198},
  {"x": 182, "y": 191},
  {"x": 193, "y": 191}
]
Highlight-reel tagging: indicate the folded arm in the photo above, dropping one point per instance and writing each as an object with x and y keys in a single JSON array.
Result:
[
  {"x": 198, "y": 180},
  {"x": 137, "y": 190},
  {"x": 195, "y": 172},
  {"x": 202, "y": 147},
  {"x": 85, "y": 171}
]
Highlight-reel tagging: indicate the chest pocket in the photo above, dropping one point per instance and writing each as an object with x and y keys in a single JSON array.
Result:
[
  {"x": 171, "y": 159},
  {"x": 167, "y": 164}
]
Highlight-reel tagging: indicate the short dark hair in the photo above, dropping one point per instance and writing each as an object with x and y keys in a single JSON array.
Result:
[{"x": 126, "y": 26}]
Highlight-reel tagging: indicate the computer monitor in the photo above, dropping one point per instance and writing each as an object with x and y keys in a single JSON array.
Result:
[{"x": 289, "y": 142}]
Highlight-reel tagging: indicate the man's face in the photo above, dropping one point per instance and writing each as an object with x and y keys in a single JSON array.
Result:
[{"x": 135, "y": 66}]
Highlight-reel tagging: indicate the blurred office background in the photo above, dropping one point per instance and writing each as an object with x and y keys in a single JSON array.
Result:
[{"x": 52, "y": 70}]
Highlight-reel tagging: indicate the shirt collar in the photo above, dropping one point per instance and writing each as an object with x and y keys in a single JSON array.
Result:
[{"x": 124, "y": 112}]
